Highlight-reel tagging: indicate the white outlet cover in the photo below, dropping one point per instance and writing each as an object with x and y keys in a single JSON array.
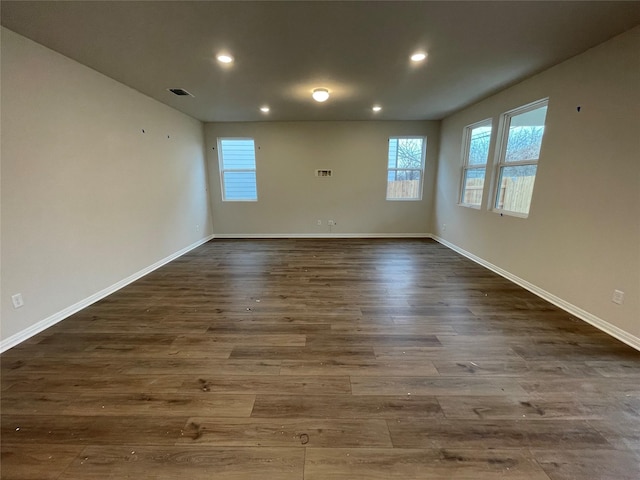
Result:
[
  {"x": 17, "y": 300},
  {"x": 618, "y": 297}
]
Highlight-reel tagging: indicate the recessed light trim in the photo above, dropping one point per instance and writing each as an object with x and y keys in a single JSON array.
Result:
[
  {"x": 320, "y": 94},
  {"x": 225, "y": 58},
  {"x": 376, "y": 108},
  {"x": 418, "y": 56},
  {"x": 265, "y": 109}
]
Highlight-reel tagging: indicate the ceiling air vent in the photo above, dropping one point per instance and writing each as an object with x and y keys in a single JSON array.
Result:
[
  {"x": 181, "y": 92},
  {"x": 324, "y": 173}
]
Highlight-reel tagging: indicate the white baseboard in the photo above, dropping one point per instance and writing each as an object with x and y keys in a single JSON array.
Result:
[
  {"x": 322, "y": 235},
  {"x": 590, "y": 318},
  {"x": 29, "y": 332}
]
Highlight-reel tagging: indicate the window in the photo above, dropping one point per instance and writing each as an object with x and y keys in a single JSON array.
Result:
[
  {"x": 237, "y": 159},
  {"x": 405, "y": 168},
  {"x": 477, "y": 138},
  {"x": 521, "y": 139}
]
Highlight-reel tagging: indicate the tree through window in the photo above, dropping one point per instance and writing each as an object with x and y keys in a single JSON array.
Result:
[
  {"x": 405, "y": 168},
  {"x": 522, "y": 132},
  {"x": 477, "y": 139}
]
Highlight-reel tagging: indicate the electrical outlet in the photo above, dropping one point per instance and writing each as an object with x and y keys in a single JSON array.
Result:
[
  {"x": 444, "y": 227},
  {"x": 618, "y": 297},
  {"x": 197, "y": 228},
  {"x": 331, "y": 223},
  {"x": 17, "y": 300},
  {"x": 319, "y": 222}
]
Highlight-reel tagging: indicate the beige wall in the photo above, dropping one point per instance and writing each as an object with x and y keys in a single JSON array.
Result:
[
  {"x": 582, "y": 238},
  {"x": 87, "y": 198},
  {"x": 291, "y": 198}
]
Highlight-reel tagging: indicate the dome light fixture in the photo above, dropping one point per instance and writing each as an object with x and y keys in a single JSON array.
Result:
[
  {"x": 376, "y": 108},
  {"x": 418, "y": 56},
  {"x": 225, "y": 58},
  {"x": 264, "y": 109},
  {"x": 320, "y": 94}
]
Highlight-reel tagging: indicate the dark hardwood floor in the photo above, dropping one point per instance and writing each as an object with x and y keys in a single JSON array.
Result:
[{"x": 321, "y": 360}]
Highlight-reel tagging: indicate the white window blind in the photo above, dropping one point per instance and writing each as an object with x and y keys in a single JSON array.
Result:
[{"x": 237, "y": 159}]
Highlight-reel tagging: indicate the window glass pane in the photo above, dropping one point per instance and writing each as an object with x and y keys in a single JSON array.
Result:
[
  {"x": 516, "y": 188},
  {"x": 238, "y": 168},
  {"x": 472, "y": 187},
  {"x": 238, "y": 154},
  {"x": 405, "y": 153},
  {"x": 525, "y": 135},
  {"x": 240, "y": 185},
  {"x": 393, "y": 153},
  {"x": 404, "y": 175},
  {"x": 479, "y": 145},
  {"x": 405, "y": 165},
  {"x": 409, "y": 153},
  {"x": 404, "y": 184}
]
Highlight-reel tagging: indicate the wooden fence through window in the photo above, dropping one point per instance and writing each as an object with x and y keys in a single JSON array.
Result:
[
  {"x": 403, "y": 189},
  {"x": 515, "y": 193}
]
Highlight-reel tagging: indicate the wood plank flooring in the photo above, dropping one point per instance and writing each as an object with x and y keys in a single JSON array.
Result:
[{"x": 321, "y": 360}]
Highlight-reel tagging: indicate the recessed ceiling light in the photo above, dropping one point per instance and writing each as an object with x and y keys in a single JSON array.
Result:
[
  {"x": 418, "y": 56},
  {"x": 320, "y": 94},
  {"x": 264, "y": 109},
  {"x": 376, "y": 108},
  {"x": 224, "y": 58}
]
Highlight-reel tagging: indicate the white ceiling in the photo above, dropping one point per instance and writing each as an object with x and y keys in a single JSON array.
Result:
[{"x": 358, "y": 50}]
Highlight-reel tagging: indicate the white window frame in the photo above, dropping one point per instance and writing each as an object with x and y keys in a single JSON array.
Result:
[
  {"x": 501, "y": 153},
  {"x": 232, "y": 170},
  {"x": 466, "y": 152},
  {"x": 420, "y": 170}
]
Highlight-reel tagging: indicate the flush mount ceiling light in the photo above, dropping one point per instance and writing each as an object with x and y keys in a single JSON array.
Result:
[
  {"x": 225, "y": 58},
  {"x": 418, "y": 56},
  {"x": 320, "y": 94},
  {"x": 376, "y": 108},
  {"x": 264, "y": 109}
]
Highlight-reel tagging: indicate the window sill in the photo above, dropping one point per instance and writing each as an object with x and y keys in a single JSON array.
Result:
[
  {"x": 508, "y": 213},
  {"x": 469, "y": 205}
]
